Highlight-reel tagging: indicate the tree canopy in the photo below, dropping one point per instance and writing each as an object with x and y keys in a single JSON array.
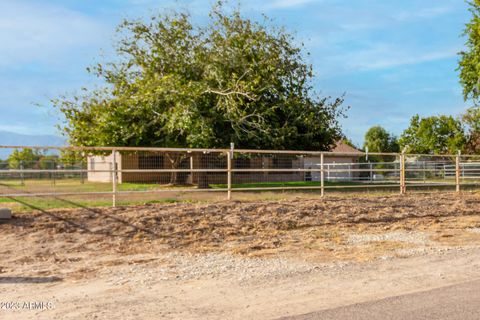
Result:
[
  {"x": 469, "y": 63},
  {"x": 433, "y": 135},
  {"x": 177, "y": 84},
  {"x": 31, "y": 159},
  {"x": 25, "y": 158},
  {"x": 471, "y": 120},
  {"x": 469, "y": 67},
  {"x": 377, "y": 139}
]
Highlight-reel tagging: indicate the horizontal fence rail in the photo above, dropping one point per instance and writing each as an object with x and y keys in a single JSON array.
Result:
[{"x": 45, "y": 171}]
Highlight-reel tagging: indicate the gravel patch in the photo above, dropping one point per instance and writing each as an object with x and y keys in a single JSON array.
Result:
[
  {"x": 419, "y": 238},
  {"x": 182, "y": 266},
  {"x": 223, "y": 264}
]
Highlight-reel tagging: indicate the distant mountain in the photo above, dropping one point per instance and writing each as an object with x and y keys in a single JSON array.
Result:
[{"x": 15, "y": 139}]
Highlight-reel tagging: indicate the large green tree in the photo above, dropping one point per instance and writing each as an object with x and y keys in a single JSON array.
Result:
[
  {"x": 469, "y": 63},
  {"x": 377, "y": 139},
  {"x": 177, "y": 84},
  {"x": 433, "y": 135},
  {"x": 469, "y": 67}
]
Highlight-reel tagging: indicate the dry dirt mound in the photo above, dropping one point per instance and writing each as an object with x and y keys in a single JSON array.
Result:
[
  {"x": 212, "y": 225},
  {"x": 254, "y": 256},
  {"x": 361, "y": 229}
]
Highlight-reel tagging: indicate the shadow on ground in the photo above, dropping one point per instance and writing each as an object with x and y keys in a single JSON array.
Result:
[{"x": 14, "y": 280}]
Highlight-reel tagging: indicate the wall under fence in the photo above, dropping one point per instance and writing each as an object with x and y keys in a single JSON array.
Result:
[{"x": 116, "y": 171}]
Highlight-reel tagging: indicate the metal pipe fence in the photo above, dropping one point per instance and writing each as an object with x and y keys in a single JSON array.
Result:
[{"x": 116, "y": 171}]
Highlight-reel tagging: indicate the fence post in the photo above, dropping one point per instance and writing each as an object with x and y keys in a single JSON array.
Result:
[
  {"x": 54, "y": 176},
  {"x": 114, "y": 177},
  {"x": 191, "y": 168},
  {"x": 403, "y": 187},
  {"x": 22, "y": 176},
  {"x": 322, "y": 176},
  {"x": 371, "y": 172},
  {"x": 424, "y": 172},
  {"x": 457, "y": 172},
  {"x": 229, "y": 171},
  {"x": 400, "y": 172},
  {"x": 82, "y": 178}
]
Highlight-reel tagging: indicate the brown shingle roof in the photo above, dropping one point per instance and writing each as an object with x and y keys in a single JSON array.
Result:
[{"x": 343, "y": 147}]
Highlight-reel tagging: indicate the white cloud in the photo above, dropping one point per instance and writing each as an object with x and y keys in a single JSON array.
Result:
[
  {"x": 365, "y": 37},
  {"x": 425, "y": 13},
  {"x": 383, "y": 56},
  {"x": 34, "y": 32},
  {"x": 283, "y": 4},
  {"x": 338, "y": 61},
  {"x": 423, "y": 90}
]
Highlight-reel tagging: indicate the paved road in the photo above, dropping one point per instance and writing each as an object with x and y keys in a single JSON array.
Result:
[{"x": 456, "y": 302}]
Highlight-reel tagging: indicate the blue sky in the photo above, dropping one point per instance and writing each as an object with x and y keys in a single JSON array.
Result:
[{"x": 392, "y": 59}]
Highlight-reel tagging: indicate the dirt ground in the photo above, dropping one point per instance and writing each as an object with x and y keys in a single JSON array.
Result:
[{"x": 258, "y": 260}]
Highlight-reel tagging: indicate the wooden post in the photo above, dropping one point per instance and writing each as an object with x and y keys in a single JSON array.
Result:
[
  {"x": 22, "y": 176},
  {"x": 403, "y": 186},
  {"x": 424, "y": 172},
  {"x": 191, "y": 168},
  {"x": 82, "y": 174},
  {"x": 400, "y": 172},
  {"x": 371, "y": 172},
  {"x": 114, "y": 177},
  {"x": 54, "y": 175},
  {"x": 457, "y": 172},
  {"x": 322, "y": 175},
  {"x": 229, "y": 171}
]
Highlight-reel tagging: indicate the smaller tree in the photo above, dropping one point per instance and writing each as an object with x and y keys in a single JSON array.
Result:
[
  {"x": 377, "y": 139},
  {"x": 31, "y": 159},
  {"x": 471, "y": 119},
  {"x": 26, "y": 158},
  {"x": 71, "y": 158},
  {"x": 48, "y": 162},
  {"x": 433, "y": 135}
]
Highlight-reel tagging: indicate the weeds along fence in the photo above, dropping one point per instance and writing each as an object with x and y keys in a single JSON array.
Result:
[{"x": 116, "y": 171}]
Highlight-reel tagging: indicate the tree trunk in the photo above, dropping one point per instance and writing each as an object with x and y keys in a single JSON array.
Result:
[{"x": 175, "y": 159}]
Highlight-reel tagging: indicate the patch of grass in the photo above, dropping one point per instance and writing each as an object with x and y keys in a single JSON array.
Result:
[
  {"x": 447, "y": 183},
  {"x": 22, "y": 204},
  {"x": 76, "y": 185},
  {"x": 286, "y": 184}
]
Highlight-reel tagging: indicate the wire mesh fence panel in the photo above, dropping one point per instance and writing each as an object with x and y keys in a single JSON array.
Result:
[
  {"x": 35, "y": 171},
  {"x": 272, "y": 170},
  {"x": 469, "y": 168},
  {"x": 98, "y": 173},
  {"x": 360, "y": 172},
  {"x": 361, "y": 169},
  {"x": 156, "y": 171},
  {"x": 430, "y": 170}
]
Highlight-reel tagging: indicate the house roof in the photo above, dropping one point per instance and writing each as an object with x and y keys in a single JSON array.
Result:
[{"x": 341, "y": 146}]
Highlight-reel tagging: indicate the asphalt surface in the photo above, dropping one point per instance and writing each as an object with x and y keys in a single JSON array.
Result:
[{"x": 461, "y": 301}]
